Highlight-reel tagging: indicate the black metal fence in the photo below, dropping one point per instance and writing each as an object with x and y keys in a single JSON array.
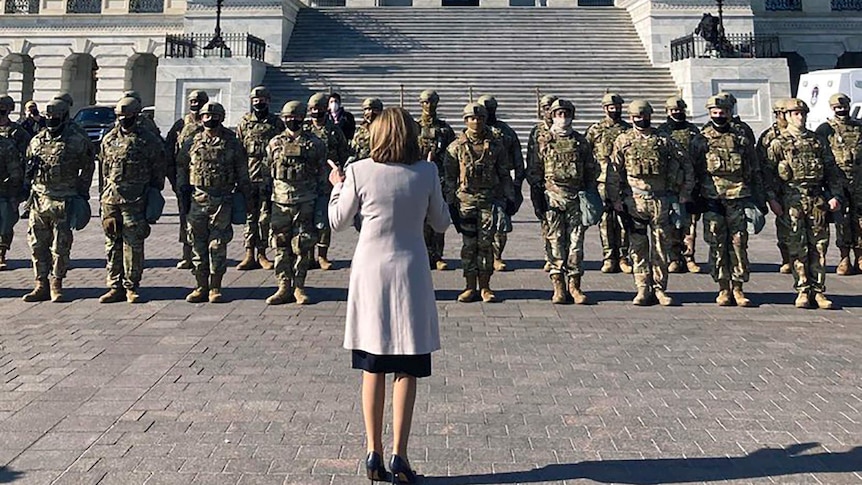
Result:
[
  {"x": 842, "y": 5},
  {"x": 782, "y": 5},
  {"x": 233, "y": 45},
  {"x": 733, "y": 45},
  {"x": 84, "y": 6},
  {"x": 146, "y": 6}
]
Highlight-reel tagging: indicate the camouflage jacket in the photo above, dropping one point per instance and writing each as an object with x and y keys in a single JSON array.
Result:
[
  {"x": 298, "y": 168},
  {"x": 360, "y": 146},
  {"x": 215, "y": 163},
  {"x": 684, "y": 134},
  {"x": 180, "y": 132},
  {"x": 435, "y": 135},
  {"x": 533, "y": 148},
  {"x": 804, "y": 164},
  {"x": 763, "y": 142},
  {"x": 149, "y": 125},
  {"x": 565, "y": 166},
  {"x": 844, "y": 138},
  {"x": 65, "y": 163},
  {"x": 255, "y": 135},
  {"x": 11, "y": 170},
  {"x": 337, "y": 147},
  {"x": 476, "y": 169},
  {"x": 19, "y": 136},
  {"x": 740, "y": 126},
  {"x": 727, "y": 166},
  {"x": 131, "y": 162},
  {"x": 513, "y": 148},
  {"x": 601, "y": 137},
  {"x": 647, "y": 164}
]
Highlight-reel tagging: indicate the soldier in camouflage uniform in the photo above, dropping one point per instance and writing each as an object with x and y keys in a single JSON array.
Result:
[
  {"x": 20, "y": 138},
  {"x": 211, "y": 167},
  {"x": 145, "y": 122},
  {"x": 782, "y": 223},
  {"x": 133, "y": 162},
  {"x": 435, "y": 136},
  {"x": 516, "y": 166},
  {"x": 297, "y": 161},
  {"x": 477, "y": 173},
  {"x": 613, "y": 233},
  {"x": 254, "y": 131},
  {"x": 683, "y": 240},
  {"x": 845, "y": 135},
  {"x": 647, "y": 171},
  {"x": 729, "y": 178},
  {"x": 565, "y": 167},
  {"x": 360, "y": 146},
  {"x": 182, "y": 130},
  {"x": 63, "y": 162},
  {"x": 537, "y": 192},
  {"x": 811, "y": 184},
  {"x": 735, "y": 121},
  {"x": 337, "y": 150},
  {"x": 67, "y": 98}
]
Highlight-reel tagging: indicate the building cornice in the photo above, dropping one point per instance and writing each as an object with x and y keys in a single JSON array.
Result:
[{"x": 100, "y": 24}]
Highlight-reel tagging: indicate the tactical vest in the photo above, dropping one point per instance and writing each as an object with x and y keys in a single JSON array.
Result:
[
  {"x": 562, "y": 163},
  {"x": 210, "y": 166},
  {"x": 256, "y": 135},
  {"x": 604, "y": 144},
  {"x": 478, "y": 167},
  {"x": 55, "y": 167},
  {"x": 801, "y": 163},
  {"x": 844, "y": 142},
  {"x": 643, "y": 158},
  {"x": 291, "y": 161},
  {"x": 126, "y": 159},
  {"x": 362, "y": 142},
  {"x": 724, "y": 155},
  {"x": 683, "y": 136}
]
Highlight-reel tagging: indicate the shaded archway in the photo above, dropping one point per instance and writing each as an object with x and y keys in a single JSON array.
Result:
[
  {"x": 848, "y": 60},
  {"x": 797, "y": 66},
  {"x": 17, "y": 74},
  {"x": 141, "y": 77},
  {"x": 80, "y": 80}
]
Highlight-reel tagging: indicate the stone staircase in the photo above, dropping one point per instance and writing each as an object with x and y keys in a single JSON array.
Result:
[{"x": 574, "y": 53}]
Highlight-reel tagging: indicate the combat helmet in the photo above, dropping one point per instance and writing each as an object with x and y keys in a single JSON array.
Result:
[
  {"x": 563, "y": 104},
  {"x": 373, "y": 104},
  {"x": 779, "y": 105},
  {"x": 475, "y": 109},
  {"x": 293, "y": 108},
  {"x": 7, "y": 102},
  {"x": 128, "y": 106},
  {"x": 429, "y": 95},
  {"x": 612, "y": 98},
  {"x": 796, "y": 104},
  {"x": 547, "y": 100},
  {"x": 718, "y": 102},
  {"x": 640, "y": 107},
  {"x": 57, "y": 107},
  {"x": 675, "y": 102},
  {"x": 317, "y": 100},
  {"x": 488, "y": 101},
  {"x": 730, "y": 97},
  {"x": 198, "y": 95},
  {"x": 839, "y": 99},
  {"x": 260, "y": 92},
  {"x": 133, "y": 94},
  {"x": 213, "y": 108},
  {"x": 66, "y": 98}
]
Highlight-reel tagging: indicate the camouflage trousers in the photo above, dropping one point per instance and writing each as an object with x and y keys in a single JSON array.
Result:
[
  {"x": 782, "y": 233},
  {"x": 8, "y": 209},
  {"x": 477, "y": 250},
  {"x": 726, "y": 232},
  {"x": 615, "y": 238},
  {"x": 650, "y": 244},
  {"x": 435, "y": 243},
  {"x": 501, "y": 232},
  {"x": 545, "y": 240},
  {"x": 256, "y": 230},
  {"x": 210, "y": 231},
  {"x": 324, "y": 236},
  {"x": 849, "y": 234},
  {"x": 293, "y": 237},
  {"x": 808, "y": 240},
  {"x": 49, "y": 236},
  {"x": 125, "y": 228},
  {"x": 566, "y": 239},
  {"x": 684, "y": 240},
  {"x": 184, "y": 223}
]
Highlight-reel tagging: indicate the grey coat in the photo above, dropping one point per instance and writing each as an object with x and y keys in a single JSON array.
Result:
[{"x": 391, "y": 308}]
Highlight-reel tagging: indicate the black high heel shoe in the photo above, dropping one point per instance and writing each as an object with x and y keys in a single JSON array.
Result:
[
  {"x": 374, "y": 468},
  {"x": 401, "y": 472}
]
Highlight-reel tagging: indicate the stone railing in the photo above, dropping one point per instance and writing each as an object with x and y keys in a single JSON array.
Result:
[
  {"x": 206, "y": 45},
  {"x": 732, "y": 46},
  {"x": 842, "y": 5},
  {"x": 22, "y": 6},
  {"x": 782, "y": 5}
]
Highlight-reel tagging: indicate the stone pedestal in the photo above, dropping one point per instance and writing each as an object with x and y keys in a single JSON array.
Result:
[{"x": 754, "y": 82}]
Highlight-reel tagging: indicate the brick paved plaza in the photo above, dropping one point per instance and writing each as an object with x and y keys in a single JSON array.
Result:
[{"x": 522, "y": 392}]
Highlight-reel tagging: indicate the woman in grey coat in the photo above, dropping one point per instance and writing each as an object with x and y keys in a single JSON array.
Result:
[{"x": 391, "y": 311}]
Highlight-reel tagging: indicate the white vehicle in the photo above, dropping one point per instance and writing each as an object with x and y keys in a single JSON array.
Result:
[{"x": 816, "y": 87}]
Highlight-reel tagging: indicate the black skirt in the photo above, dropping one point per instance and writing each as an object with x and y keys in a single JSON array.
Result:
[{"x": 413, "y": 365}]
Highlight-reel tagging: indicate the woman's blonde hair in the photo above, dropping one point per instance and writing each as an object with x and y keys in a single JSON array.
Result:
[{"x": 395, "y": 137}]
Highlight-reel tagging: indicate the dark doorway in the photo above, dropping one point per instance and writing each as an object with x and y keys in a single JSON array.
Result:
[
  {"x": 460, "y": 3},
  {"x": 848, "y": 60},
  {"x": 797, "y": 66}
]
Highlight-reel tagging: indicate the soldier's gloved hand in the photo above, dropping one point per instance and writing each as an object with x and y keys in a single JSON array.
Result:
[
  {"x": 540, "y": 204},
  {"x": 511, "y": 207},
  {"x": 455, "y": 215}
]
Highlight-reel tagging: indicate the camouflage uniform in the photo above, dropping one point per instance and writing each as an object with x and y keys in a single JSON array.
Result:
[
  {"x": 11, "y": 183},
  {"x": 132, "y": 162},
  {"x": 476, "y": 174},
  {"x": 729, "y": 176},
  {"x": 144, "y": 122},
  {"x": 297, "y": 164},
  {"x": 565, "y": 167},
  {"x": 435, "y": 136},
  {"x": 532, "y": 160},
  {"x": 20, "y": 138},
  {"x": 360, "y": 146},
  {"x": 683, "y": 240},
  {"x": 805, "y": 170},
  {"x": 650, "y": 174},
  {"x": 255, "y": 133},
  {"x": 214, "y": 165},
  {"x": 65, "y": 162},
  {"x": 844, "y": 136},
  {"x": 612, "y": 231},
  {"x": 782, "y": 222}
]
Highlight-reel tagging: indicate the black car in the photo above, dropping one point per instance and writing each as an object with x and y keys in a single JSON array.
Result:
[{"x": 96, "y": 121}]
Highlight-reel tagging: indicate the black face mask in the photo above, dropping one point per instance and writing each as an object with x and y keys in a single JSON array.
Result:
[
  {"x": 54, "y": 124},
  {"x": 260, "y": 107},
  {"x": 293, "y": 125},
  {"x": 642, "y": 123},
  {"x": 615, "y": 115},
  {"x": 211, "y": 123},
  {"x": 842, "y": 113},
  {"x": 128, "y": 122},
  {"x": 719, "y": 121},
  {"x": 4, "y": 112},
  {"x": 194, "y": 108},
  {"x": 678, "y": 118}
]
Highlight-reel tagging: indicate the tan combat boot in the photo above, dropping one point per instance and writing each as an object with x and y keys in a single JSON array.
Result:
[
  {"x": 858, "y": 254},
  {"x": 40, "y": 292},
  {"x": 823, "y": 303},
  {"x": 322, "y": 260},
  {"x": 547, "y": 267},
  {"x": 284, "y": 294},
  {"x": 644, "y": 296},
  {"x": 663, "y": 298},
  {"x": 675, "y": 267},
  {"x": 132, "y": 295},
  {"x": 488, "y": 296},
  {"x": 723, "y": 298},
  {"x": 802, "y": 300},
  {"x": 693, "y": 267},
  {"x": 199, "y": 294},
  {"x": 845, "y": 267},
  {"x": 215, "y": 295},
  {"x": 575, "y": 290},
  {"x": 469, "y": 294},
  {"x": 739, "y": 296},
  {"x": 559, "y": 296},
  {"x": 57, "y": 290},
  {"x": 299, "y": 295},
  {"x": 3, "y": 264},
  {"x": 248, "y": 262},
  {"x": 186, "y": 262},
  {"x": 499, "y": 265},
  {"x": 263, "y": 261},
  {"x": 609, "y": 266},
  {"x": 625, "y": 266},
  {"x": 441, "y": 265},
  {"x": 786, "y": 266},
  {"x": 113, "y": 295}
]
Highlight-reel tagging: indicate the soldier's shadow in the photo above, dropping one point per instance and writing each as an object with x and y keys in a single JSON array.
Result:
[{"x": 96, "y": 263}]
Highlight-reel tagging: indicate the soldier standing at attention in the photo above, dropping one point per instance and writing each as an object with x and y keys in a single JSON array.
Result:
[
  {"x": 182, "y": 130},
  {"x": 211, "y": 167},
  {"x": 133, "y": 162},
  {"x": 613, "y": 233},
  {"x": 63, "y": 163},
  {"x": 19, "y": 138},
  {"x": 435, "y": 135},
  {"x": 683, "y": 240},
  {"x": 537, "y": 192},
  {"x": 729, "y": 177},
  {"x": 782, "y": 223},
  {"x": 337, "y": 150},
  {"x": 477, "y": 172},
  {"x": 844, "y": 135},
  {"x": 254, "y": 131},
  {"x": 297, "y": 164},
  {"x": 650, "y": 175},
  {"x": 565, "y": 167},
  {"x": 811, "y": 184},
  {"x": 360, "y": 146}
]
